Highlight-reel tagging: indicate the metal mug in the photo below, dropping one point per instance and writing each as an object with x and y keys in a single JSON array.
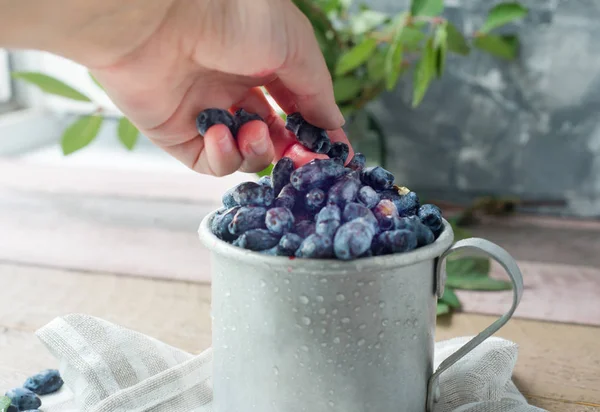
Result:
[{"x": 294, "y": 335}]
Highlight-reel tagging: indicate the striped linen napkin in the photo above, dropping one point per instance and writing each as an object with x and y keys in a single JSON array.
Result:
[{"x": 108, "y": 368}]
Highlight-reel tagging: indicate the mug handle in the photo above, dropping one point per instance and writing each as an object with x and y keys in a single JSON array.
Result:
[{"x": 510, "y": 266}]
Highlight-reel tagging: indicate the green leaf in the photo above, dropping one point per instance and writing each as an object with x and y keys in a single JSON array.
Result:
[
  {"x": 95, "y": 81},
  {"x": 450, "y": 298},
  {"x": 51, "y": 85},
  {"x": 367, "y": 20},
  {"x": 505, "y": 47},
  {"x": 355, "y": 56},
  {"x": 441, "y": 46},
  {"x": 266, "y": 171},
  {"x": 456, "y": 41},
  {"x": 411, "y": 38},
  {"x": 376, "y": 66},
  {"x": 346, "y": 88},
  {"x": 442, "y": 309},
  {"x": 393, "y": 59},
  {"x": 426, "y": 7},
  {"x": 5, "y": 402},
  {"x": 424, "y": 73},
  {"x": 476, "y": 281},
  {"x": 502, "y": 14},
  {"x": 128, "y": 133},
  {"x": 80, "y": 134},
  {"x": 468, "y": 266}
]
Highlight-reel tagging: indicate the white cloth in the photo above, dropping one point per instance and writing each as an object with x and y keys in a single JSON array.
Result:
[{"x": 107, "y": 368}]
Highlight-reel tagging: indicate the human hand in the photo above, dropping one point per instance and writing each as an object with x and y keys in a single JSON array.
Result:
[{"x": 163, "y": 62}]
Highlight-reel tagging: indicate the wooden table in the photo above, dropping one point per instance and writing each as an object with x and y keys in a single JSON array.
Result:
[{"x": 102, "y": 260}]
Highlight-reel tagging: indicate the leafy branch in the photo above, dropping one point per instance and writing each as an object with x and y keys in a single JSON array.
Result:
[
  {"x": 85, "y": 129},
  {"x": 368, "y": 51}
]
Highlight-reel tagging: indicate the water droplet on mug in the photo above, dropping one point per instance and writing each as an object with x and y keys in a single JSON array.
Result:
[
  {"x": 323, "y": 280},
  {"x": 381, "y": 335},
  {"x": 340, "y": 297},
  {"x": 276, "y": 370},
  {"x": 329, "y": 360},
  {"x": 407, "y": 323},
  {"x": 356, "y": 293},
  {"x": 295, "y": 310},
  {"x": 415, "y": 323},
  {"x": 324, "y": 344},
  {"x": 322, "y": 311},
  {"x": 382, "y": 305},
  {"x": 398, "y": 323},
  {"x": 304, "y": 348},
  {"x": 371, "y": 283},
  {"x": 334, "y": 312},
  {"x": 263, "y": 283},
  {"x": 227, "y": 293},
  {"x": 336, "y": 340},
  {"x": 377, "y": 345},
  {"x": 331, "y": 403},
  {"x": 301, "y": 364},
  {"x": 320, "y": 299},
  {"x": 360, "y": 283},
  {"x": 286, "y": 281},
  {"x": 330, "y": 393},
  {"x": 414, "y": 337},
  {"x": 367, "y": 298},
  {"x": 304, "y": 300},
  {"x": 361, "y": 342},
  {"x": 345, "y": 320},
  {"x": 233, "y": 328},
  {"x": 385, "y": 322},
  {"x": 306, "y": 320},
  {"x": 357, "y": 309},
  {"x": 362, "y": 326}
]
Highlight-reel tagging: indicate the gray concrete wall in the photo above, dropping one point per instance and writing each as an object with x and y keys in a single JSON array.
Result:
[{"x": 530, "y": 128}]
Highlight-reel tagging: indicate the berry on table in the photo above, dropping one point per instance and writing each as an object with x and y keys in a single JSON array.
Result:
[
  {"x": 23, "y": 399},
  {"x": 45, "y": 382},
  {"x": 210, "y": 117}
]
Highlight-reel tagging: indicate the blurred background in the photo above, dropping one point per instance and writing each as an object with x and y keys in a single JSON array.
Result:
[{"x": 488, "y": 109}]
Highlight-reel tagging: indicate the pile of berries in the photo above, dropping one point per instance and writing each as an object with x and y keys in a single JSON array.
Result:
[
  {"x": 325, "y": 210},
  {"x": 26, "y": 398}
]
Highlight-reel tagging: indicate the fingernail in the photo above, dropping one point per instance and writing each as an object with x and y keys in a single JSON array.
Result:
[
  {"x": 225, "y": 144},
  {"x": 259, "y": 146}
]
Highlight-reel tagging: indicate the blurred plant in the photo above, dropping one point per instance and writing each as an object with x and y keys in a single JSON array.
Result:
[
  {"x": 368, "y": 51},
  {"x": 85, "y": 129}
]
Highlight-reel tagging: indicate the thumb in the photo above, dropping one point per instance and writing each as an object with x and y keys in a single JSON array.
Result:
[{"x": 303, "y": 83}]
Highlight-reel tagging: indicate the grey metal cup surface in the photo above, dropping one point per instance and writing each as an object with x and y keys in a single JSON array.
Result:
[{"x": 326, "y": 335}]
